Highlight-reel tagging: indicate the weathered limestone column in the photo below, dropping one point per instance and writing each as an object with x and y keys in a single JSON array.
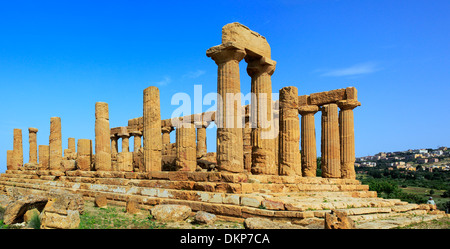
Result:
[
  {"x": 71, "y": 152},
  {"x": 201, "y": 138},
  {"x": 9, "y": 159},
  {"x": 308, "y": 140},
  {"x": 84, "y": 154},
  {"x": 228, "y": 115},
  {"x": 260, "y": 70},
  {"x": 17, "y": 158},
  {"x": 289, "y": 141},
  {"x": 152, "y": 130},
  {"x": 186, "y": 159},
  {"x": 137, "y": 140},
  {"x": 247, "y": 137},
  {"x": 347, "y": 138},
  {"x": 55, "y": 144},
  {"x": 331, "y": 162},
  {"x": 125, "y": 142},
  {"x": 166, "y": 135},
  {"x": 32, "y": 133},
  {"x": 44, "y": 157},
  {"x": 71, "y": 145},
  {"x": 114, "y": 144},
  {"x": 102, "y": 138}
]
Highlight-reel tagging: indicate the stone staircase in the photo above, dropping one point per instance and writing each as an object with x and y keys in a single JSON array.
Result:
[{"x": 279, "y": 198}]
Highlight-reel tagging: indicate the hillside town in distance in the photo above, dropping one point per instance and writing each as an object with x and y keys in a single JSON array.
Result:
[{"x": 411, "y": 160}]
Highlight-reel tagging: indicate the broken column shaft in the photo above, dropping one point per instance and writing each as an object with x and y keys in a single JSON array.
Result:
[{"x": 102, "y": 138}]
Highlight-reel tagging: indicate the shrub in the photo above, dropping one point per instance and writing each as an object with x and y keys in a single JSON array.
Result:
[{"x": 35, "y": 222}]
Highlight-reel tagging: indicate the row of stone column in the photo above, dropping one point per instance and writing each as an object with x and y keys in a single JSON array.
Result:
[
  {"x": 125, "y": 137},
  {"x": 337, "y": 137},
  {"x": 50, "y": 156}
]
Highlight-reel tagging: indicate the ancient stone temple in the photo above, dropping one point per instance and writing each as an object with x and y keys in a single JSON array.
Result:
[{"x": 265, "y": 164}]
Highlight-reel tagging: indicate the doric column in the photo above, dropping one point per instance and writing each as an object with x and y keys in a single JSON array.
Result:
[
  {"x": 84, "y": 154},
  {"x": 152, "y": 130},
  {"x": 55, "y": 144},
  {"x": 71, "y": 144},
  {"x": 247, "y": 146},
  {"x": 331, "y": 162},
  {"x": 17, "y": 158},
  {"x": 228, "y": 115},
  {"x": 71, "y": 152},
  {"x": 114, "y": 144},
  {"x": 44, "y": 157},
  {"x": 186, "y": 159},
  {"x": 32, "y": 133},
  {"x": 102, "y": 138},
  {"x": 9, "y": 159},
  {"x": 260, "y": 70},
  {"x": 125, "y": 141},
  {"x": 137, "y": 140},
  {"x": 289, "y": 147},
  {"x": 308, "y": 140},
  {"x": 166, "y": 135},
  {"x": 201, "y": 138},
  {"x": 347, "y": 138}
]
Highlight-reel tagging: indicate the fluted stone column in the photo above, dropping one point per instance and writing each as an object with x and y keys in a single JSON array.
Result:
[
  {"x": 347, "y": 138},
  {"x": 331, "y": 162},
  {"x": 308, "y": 140},
  {"x": 125, "y": 142},
  {"x": 228, "y": 115},
  {"x": 201, "y": 138},
  {"x": 44, "y": 157},
  {"x": 9, "y": 159},
  {"x": 186, "y": 159},
  {"x": 55, "y": 144},
  {"x": 102, "y": 138},
  {"x": 72, "y": 145},
  {"x": 166, "y": 135},
  {"x": 114, "y": 144},
  {"x": 137, "y": 141},
  {"x": 71, "y": 152},
  {"x": 84, "y": 154},
  {"x": 247, "y": 146},
  {"x": 17, "y": 158},
  {"x": 260, "y": 70},
  {"x": 152, "y": 130},
  {"x": 32, "y": 133},
  {"x": 289, "y": 141}
]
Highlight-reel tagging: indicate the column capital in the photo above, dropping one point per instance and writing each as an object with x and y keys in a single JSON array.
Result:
[
  {"x": 114, "y": 136},
  {"x": 32, "y": 130},
  {"x": 348, "y": 104},
  {"x": 201, "y": 124},
  {"x": 124, "y": 135},
  {"x": 308, "y": 109},
  {"x": 136, "y": 133},
  {"x": 226, "y": 52},
  {"x": 260, "y": 65},
  {"x": 167, "y": 129}
]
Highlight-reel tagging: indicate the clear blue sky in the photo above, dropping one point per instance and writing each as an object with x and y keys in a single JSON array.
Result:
[{"x": 57, "y": 58}]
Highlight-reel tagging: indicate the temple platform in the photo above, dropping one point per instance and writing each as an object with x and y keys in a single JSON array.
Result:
[{"x": 231, "y": 196}]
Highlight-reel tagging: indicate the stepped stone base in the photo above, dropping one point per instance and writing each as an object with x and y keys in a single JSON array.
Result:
[{"x": 282, "y": 198}]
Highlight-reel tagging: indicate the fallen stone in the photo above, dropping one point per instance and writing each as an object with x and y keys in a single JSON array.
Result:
[
  {"x": 263, "y": 223},
  {"x": 202, "y": 217},
  {"x": 133, "y": 207},
  {"x": 338, "y": 220},
  {"x": 101, "y": 201},
  {"x": 170, "y": 212},
  {"x": 16, "y": 209},
  {"x": 30, "y": 214}
]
